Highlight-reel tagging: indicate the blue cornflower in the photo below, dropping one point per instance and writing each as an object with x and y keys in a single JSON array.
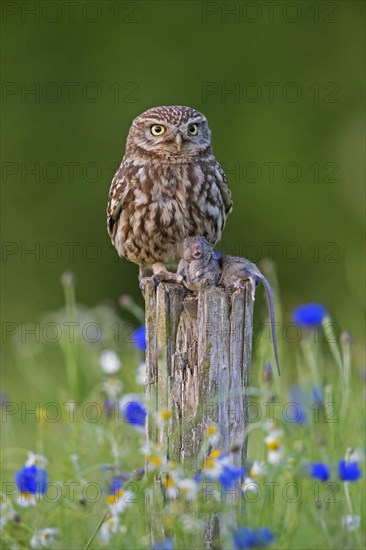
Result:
[
  {"x": 320, "y": 471},
  {"x": 139, "y": 338},
  {"x": 109, "y": 406},
  {"x": 229, "y": 474},
  {"x": 115, "y": 486},
  {"x": 217, "y": 254},
  {"x": 31, "y": 480},
  {"x": 115, "y": 492},
  {"x": 134, "y": 413},
  {"x": 244, "y": 538},
  {"x": 309, "y": 315},
  {"x": 166, "y": 544},
  {"x": 298, "y": 399},
  {"x": 317, "y": 394},
  {"x": 349, "y": 471},
  {"x": 264, "y": 536}
]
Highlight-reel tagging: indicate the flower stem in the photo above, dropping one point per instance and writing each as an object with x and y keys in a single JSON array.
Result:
[
  {"x": 325, "y": 530},
  {"x": 70, "y": 346},
  {"x": 94, "y": 534},
  {"x": 350, "y": 507},
  {"x": 327, "y": 325}
]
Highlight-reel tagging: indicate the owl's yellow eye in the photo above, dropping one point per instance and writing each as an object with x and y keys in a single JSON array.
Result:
[
  {"x": 157, "y": 129},
  {"x": 193, "y": 129}
]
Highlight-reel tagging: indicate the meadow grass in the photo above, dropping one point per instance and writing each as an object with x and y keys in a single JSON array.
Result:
[{"x": 59, "y": 404}]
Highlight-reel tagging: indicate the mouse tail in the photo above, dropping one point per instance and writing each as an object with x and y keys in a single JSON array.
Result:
[{"x": 270, "y": 301}]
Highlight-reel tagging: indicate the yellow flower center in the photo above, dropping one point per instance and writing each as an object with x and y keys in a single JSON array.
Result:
[
  {"x": 169, "y": 483},
  {"x": 164, "y": 414},
  {"x": 154, "y": 459},
  {"x": 215, "y": 454},
  {"x": 211, "y": 430},
  {"x": 112, "y": 499},
  {"x": 210, "y": 461},
  {"x": 273, "y": 445}
]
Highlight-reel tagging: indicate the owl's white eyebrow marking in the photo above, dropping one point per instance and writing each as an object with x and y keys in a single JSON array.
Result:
[
  {"x": 163, "y": 122},
  {"x": 194, "y": 120},
  {"x": 154, "y": 121}
]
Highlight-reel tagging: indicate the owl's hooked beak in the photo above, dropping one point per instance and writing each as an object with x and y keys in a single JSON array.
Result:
[{"x": 178, "y": 141}]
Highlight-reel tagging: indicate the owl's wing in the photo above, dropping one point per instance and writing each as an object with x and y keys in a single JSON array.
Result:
[
  {"x": 115, "y": 201},
  {"x": 224, "y": 188}
]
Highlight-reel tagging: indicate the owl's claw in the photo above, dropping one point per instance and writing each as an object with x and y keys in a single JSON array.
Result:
[
  {"x": 163, "y": 277},
  {"x": 143, "y": 282}
]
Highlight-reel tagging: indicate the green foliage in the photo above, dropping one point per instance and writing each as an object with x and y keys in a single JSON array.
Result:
[
  {"x": 158, "y": 53},
  {"x": 87, "y": 445}
]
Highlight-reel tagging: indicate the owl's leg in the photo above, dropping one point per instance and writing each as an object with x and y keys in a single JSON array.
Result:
[
  {"x": 144, "y": 276},
  {"x": 161, "y": 274}
]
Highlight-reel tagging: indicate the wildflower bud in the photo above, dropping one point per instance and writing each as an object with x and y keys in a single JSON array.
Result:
[
  {"x": 82, "y": 502},
  {"x": 318, "y": 504},
  {"x": 67, "y": 278},
  {"x": 299, "y": 446},
  {"x": 268, "y": 267},
  {"x": 138, "y": 474},
  {"x": 345, "y": 338},
  {"x": 109, "y": 407},
  {"x": 17, "y": 518},
  {"x": 321, "y": 440},
  {"x": 328, "y": 392},
  {"x": 349, "y": 452},
  {"x": 235, "y": 447},
  {"x": 267, "y": 373},
  {"x": 4, "y": 398},
  {"x": 125, "y": 301}
]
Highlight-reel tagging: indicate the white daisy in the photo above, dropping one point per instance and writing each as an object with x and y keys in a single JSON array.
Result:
[
  {"x": 188, "y": 488},
  {"x": 249, "y": 485},
  {"x": 108, "y": 528},
  {"x": 351, "y": 523},
  {"x": 42, "y": 538},
  {"x": 109, "y": 362},
  {"x": 36, "y": 460},
  {"x": 258, "y": 469},
  {"x": 6, "y": 511},
  {"x": 141, "y": 374}
]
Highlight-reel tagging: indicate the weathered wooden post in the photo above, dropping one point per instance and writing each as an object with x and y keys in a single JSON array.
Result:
[{"x": 198, "y": 360}]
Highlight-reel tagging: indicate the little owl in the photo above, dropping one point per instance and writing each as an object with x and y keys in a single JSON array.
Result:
[{"x": 169, "y": 186}]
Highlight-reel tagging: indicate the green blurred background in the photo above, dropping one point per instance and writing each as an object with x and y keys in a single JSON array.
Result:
[{"x": 297, "y": 69}]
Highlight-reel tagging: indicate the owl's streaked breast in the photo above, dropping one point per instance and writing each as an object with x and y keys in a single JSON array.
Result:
[
  {"x": 168, "y": 187},
  {"x": 164, "y": 204}
]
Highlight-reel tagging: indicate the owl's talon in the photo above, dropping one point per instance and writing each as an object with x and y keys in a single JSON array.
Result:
[
  {"x": 144, "y": 281},
  {"x": 155, "y": 281},
  {"x": 163, "y": 277}
]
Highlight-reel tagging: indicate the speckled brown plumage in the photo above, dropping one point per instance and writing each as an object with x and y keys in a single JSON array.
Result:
[{"x": 168, "y": 187}]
